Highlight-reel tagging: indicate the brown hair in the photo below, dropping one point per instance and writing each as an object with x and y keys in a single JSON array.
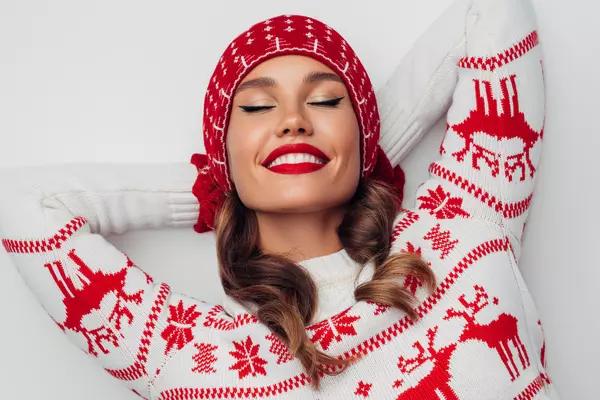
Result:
[{"x": 284, "y": 292}]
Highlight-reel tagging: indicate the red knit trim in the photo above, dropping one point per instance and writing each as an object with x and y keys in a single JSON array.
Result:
[
  {"x": 511, "y": 210},
  {"x": 484, "y": 249},
  {"x": 224, "y": 325},
  {"x": 157, "y": 308},
  {"x": 502, "y": 58},
  {"x": 45, "y": 245},
  {"x": 514, "y": 210},
  {"x": 236, "y": 392},
  {"x": 409, "y": 219},
  {"x": 378, "y": 340},
  {"x": 534, "y": 387},
  {"x": 138, "y": 369},
  {"x": 131, "y": 373}
]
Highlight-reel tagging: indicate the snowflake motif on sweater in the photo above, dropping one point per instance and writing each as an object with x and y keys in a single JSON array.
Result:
[
  {"x": 441, "y": 204},
  {"x": 248, "y": 361},
  {"x": 333, "y": 328},
  {"x": 181, "y": 321}
]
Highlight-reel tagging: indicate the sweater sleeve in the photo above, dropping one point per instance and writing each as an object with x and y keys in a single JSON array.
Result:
[
  {"x": 113, "y": 198},
  {"x": 489, "y": 157},
  {"x": 51, "y": 221},
  {"x": 420, "y": 90}
]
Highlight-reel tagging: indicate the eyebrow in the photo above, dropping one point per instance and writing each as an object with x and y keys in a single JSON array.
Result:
[
  {"x": 321, "y": 77},
  {"x": 312, "y": 77},
  {"x": 256, "y": 83}
]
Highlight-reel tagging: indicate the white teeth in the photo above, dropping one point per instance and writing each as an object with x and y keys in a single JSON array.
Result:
[{"x": 296, "y": 158}]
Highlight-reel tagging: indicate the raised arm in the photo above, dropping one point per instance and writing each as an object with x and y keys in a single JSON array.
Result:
[
  {"x": 489, "y": 157},
  {"x": 420, "y": 90},
  {"x": 113, "y": 198},
  {"x": 51, "y": 219}
]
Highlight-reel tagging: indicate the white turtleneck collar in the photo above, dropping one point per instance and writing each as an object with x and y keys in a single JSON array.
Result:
[{"x": 336, "y": 275}]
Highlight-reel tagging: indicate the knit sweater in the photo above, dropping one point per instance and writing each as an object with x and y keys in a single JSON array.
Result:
[{"x": 478, "y": 335}]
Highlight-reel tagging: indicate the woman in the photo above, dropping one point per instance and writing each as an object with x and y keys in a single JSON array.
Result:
[{"x": 332, "y": 291}]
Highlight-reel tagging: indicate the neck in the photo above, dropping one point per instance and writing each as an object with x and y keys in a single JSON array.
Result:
[{"x": 300, "y": 236}]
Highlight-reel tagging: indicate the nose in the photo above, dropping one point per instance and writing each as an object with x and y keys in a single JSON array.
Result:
[{"x": 294, "y": 123}]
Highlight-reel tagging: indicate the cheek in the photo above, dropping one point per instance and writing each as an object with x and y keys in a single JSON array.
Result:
[
  {"x": 353, "y": 145},
  {"x": 243, "y": 146},
  {"x": 347, "y": 142}
]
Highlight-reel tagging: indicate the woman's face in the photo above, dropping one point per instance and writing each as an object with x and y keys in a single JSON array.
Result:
[{"x": 293, "y": 100}]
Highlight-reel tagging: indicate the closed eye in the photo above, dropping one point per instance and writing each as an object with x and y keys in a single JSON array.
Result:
[
  {"x": 327, "y": 103},
  {"x": 251, "y": 109}
]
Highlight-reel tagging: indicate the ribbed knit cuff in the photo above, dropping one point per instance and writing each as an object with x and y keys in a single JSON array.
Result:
[{"x": 184, "y": 209}]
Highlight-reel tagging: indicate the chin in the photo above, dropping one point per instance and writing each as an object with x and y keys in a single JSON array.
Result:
[
  {"x": 300, "y": 194},
  {"x": 300, "y": 200},
  {"x": 299, "y": 206}
]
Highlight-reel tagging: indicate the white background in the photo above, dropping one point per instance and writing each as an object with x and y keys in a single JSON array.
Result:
[{"x": 124, "y": 81}]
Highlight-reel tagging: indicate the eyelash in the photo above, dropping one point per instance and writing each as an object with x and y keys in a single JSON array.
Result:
[{"x": 326, "y": 103}]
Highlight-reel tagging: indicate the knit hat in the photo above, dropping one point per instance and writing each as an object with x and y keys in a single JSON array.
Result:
[{"x": 282, "y": 35}]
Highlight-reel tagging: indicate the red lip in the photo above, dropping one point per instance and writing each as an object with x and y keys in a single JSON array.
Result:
[
  {"x": 302, "y": 168},
  {"x": 295, "y": 148}
]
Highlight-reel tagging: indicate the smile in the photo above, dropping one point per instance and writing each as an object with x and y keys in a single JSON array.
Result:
[{"x": 299, "y": 158}]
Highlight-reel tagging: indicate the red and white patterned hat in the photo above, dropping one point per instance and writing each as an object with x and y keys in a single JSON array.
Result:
[{"x": 282, "y": 35}]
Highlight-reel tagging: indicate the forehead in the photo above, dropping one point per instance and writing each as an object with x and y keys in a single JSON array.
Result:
[{"x": 288, "y": 66}]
